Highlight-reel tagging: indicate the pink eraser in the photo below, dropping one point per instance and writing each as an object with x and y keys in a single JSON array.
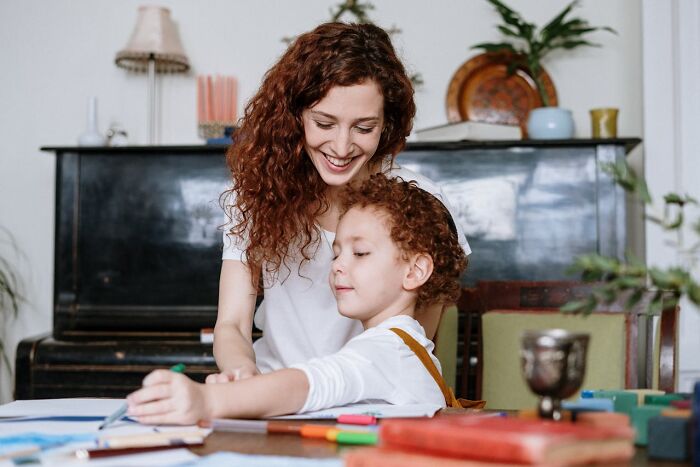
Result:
[{"x": 357, "y": 419}]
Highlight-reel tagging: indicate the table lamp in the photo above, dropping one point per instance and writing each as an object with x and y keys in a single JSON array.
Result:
[{"x": 155, "y": 47}]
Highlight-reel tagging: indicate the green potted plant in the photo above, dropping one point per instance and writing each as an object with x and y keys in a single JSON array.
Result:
[
  {"x": 9, "y": 299},
  {"x": 529, "y": 45},
  {"x": 631, "y": 279}
]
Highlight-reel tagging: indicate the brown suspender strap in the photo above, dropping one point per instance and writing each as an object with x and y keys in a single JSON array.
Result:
[{"x": 424, "y": 357}]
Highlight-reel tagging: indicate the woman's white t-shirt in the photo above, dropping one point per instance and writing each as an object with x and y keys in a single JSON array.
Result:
[{"x": 298, "y": 315}]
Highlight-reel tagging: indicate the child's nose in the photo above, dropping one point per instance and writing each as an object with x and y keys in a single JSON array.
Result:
[{"x": 337, "y": 265}]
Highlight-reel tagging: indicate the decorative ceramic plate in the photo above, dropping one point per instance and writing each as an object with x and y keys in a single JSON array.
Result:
[{"x": 481, "y": 90}]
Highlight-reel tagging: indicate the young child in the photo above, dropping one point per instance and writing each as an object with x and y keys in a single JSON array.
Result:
[{"x": 395, "y": 253}]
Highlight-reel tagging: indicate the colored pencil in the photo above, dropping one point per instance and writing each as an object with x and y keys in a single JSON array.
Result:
[
  {"x": 150, "y": 439},
  {"x": 19, "y": 452},
  {"x": 251, "y": 426},
  {"x": 110, "y": 452}
]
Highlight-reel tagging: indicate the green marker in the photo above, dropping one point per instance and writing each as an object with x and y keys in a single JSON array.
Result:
[
  {"x": 350, "y": 437},
  {"x": 121, "y": 411},
  {"x": 179, "y": 368}
]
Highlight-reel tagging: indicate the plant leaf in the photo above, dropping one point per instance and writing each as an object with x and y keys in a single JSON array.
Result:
[
  {"x": 693, "y": 290},
  {"x": 574, "y": 306},
  {"x": 555, "y": 22},
  {"x": 674, "y": 198},
  {"x": 634, "y": 299},
  {"x": 676, "y": 224},
  {"x": 508, "y": 32},
  {"x": 513, "y": 18},
  {"x": 495, "y": 47},
  {"x": 573, "y": 44}
]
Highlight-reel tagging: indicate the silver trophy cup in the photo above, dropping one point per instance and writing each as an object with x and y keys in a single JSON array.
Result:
[{"x": 554, "y": 364}]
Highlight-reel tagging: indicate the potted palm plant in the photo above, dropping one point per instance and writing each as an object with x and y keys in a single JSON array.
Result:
[
  {"x": 529, "y": 45},
  {"x": 9, "y": 301}
]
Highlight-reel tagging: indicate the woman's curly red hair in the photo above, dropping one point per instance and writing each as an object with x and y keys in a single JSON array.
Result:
[
  {"x": 277, "y": 193},
  {"x": 418, "y": 223}
]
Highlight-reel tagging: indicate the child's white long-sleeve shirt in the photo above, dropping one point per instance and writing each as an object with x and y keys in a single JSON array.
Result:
[
  {"x": 375, "y": 366},
  {"x": 299, "y": 315}
]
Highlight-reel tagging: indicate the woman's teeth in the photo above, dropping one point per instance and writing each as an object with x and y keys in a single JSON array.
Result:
[{"x": 338, "y": 162}]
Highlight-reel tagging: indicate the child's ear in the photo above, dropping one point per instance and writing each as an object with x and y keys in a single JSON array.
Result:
[{"x": 421, "y": 267}]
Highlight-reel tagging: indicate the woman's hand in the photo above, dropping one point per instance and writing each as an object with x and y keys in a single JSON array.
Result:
[
  {"x": 235, "y": 374},
  {"x": 169, "y": 398}
]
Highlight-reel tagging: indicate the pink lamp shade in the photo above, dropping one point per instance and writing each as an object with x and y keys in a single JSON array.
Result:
[{"x": 154, "y": 37}]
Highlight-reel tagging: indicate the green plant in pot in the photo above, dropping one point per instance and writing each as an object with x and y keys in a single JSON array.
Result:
[
  {"x": 9, "y": 298},
  {"x": 630, "y": 280},
  {"x": 529, "y": 45}
]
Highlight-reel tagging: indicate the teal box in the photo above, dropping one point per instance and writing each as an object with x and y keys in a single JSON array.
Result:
[
  {"x": 664, "y": 399},
  {"x": 640, "y": 417},
  {"x": 623, "y": 401}
]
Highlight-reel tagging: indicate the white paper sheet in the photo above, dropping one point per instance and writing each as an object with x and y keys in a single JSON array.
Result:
[
  {"x": 158, "y": 458},
  {"x": 61, "y": 407},
  {"x": 378, "y": 410},
  {"x": 221, "y": 459}
]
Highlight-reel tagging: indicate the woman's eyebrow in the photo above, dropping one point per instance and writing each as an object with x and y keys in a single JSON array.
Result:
[{"x": 333, "y": 117}]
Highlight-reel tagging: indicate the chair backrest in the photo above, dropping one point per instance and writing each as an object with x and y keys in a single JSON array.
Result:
[
  {"x": 621, "y": 351},
  {"x": 446, "y": 341}
]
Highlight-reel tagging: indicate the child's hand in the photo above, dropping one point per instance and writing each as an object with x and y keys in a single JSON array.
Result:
[
  {"x": 168, "y": 398},
  {"x": 241, "y": 372}
]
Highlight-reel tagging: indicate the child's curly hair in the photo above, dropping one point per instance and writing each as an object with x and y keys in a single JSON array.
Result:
[{"x": 419, "y": 223}]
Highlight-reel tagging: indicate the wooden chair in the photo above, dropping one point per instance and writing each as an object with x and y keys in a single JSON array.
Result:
[
  {"x": 446, "y": 344},
  {"x": 623, "y": 351}
]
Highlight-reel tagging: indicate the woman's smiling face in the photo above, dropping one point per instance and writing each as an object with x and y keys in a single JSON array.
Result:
[{"x": 342, "y": 131}]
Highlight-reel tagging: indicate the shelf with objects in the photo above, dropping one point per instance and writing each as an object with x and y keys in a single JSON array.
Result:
[{"x": 138, "y": 245}]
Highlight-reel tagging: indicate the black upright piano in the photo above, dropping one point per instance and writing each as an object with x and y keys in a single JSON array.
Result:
[
  {"x": 138, "y": 245},
  {"x": 136, "y": 272}
]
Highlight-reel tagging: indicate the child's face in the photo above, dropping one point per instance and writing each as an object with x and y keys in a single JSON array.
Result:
[
  {"x": 368, "y": 270},
  {"x": 342, "y": 131}
]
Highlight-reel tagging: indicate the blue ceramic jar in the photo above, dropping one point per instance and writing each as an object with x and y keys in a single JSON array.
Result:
[{"x": 550, "y": 123}]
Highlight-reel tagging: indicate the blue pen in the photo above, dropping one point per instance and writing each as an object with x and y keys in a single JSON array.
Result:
[{"x": 119, "y": 413}]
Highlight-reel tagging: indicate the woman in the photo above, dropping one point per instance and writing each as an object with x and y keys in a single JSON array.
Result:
[{"x": 336, "y": 108}]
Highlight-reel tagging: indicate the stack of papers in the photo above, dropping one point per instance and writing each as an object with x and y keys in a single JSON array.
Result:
[{"x": 53, "y": 429}]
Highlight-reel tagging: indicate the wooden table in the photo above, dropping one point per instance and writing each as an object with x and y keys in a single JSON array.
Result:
[
  {"x": 296, "y": 446},
  {"x": 273, "y": 444}
]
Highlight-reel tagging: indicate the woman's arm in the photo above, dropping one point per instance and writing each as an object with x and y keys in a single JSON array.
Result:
[
  {"x": 233, "y": 342},
  {"x": 171, "y": 398}
]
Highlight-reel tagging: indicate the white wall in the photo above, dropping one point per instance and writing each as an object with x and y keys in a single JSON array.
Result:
[
  {"x": 55, "y": 54},
  {"x": 671, "y": 121}
]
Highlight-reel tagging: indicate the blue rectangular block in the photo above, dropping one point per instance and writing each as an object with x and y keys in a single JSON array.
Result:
[
  {"x": 668, "y": 438},
  {"x": 584, "y": 404}
]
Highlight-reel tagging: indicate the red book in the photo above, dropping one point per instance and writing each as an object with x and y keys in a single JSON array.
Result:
[
  {"x": 509, "y": 440},
  {"x": 382, "y": 457}
]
